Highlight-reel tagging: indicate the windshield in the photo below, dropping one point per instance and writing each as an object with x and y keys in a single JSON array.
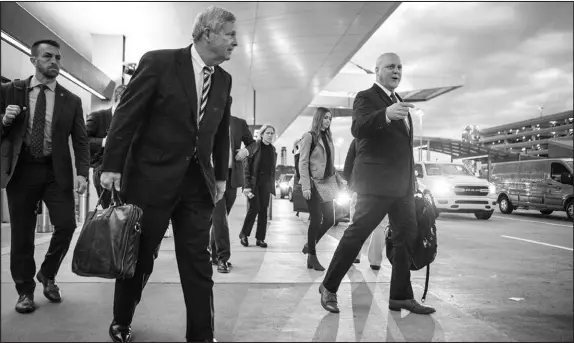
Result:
[
  {"x": 447, "y": 169},
  {"x": 287, "y": 177}
]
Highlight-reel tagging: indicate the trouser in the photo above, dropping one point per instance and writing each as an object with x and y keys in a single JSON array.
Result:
[
  {"x": 220, "y": 245},
  {"x": 321, "y": 219},
  {"x": 190, "y": 214},
  {"x": 376, "y": 241},
  {"x": 257, "y": 208},
  {"x": 105, "y": 195},
  {"x": 370, "y": 211},
  {"x": 34, "y": 181}
]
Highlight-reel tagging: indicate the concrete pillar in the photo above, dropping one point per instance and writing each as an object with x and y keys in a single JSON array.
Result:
[
  {"x": 108, "y": 56},
  {"x": 428, "y": 151}
]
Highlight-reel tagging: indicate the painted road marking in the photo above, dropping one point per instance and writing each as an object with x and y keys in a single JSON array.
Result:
[
  {"x": 536, "y": 242},
  {"x": 533, "y": 221}
]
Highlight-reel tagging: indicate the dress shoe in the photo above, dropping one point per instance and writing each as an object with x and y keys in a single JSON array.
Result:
[
  {"x": 313, "y": 263},
  {"x": 120, "y": 333},
  {"x": 305, "y": 249},
  {"x": 214, "y": 261},
  {"x": 244, "y": 241},
  {"x": 261, "y": 243},
  {"x": 411, "y": 305},
  {"x": 357, "y": 260},
  {"x": 375, "y": 267},
  {"x": 223, "y": 267},
  {"x": 51, "y": 289},
  {"x": 207, "y": 340},
  {"x": 328, "y": 300},
  {"x": 25, "y": 304}
]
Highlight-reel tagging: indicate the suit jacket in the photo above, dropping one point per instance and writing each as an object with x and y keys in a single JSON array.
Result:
[
  {"x": 349, "y": 162},
  {"x": 239, "y": 133},
  {"x": 251, "y": 167},
  {"x": 312, "y": 164},
  {"x": 384, "y": 163},
  {"x": 154, "y": 134},
  {"x": 68, "y": 120},
  {"x": 97, "y": 126}
]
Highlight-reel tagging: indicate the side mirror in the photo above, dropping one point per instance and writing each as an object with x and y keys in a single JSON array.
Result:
[{"x": 566, "y": 178}]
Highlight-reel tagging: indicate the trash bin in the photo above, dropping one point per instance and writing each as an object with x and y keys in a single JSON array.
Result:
[{"x": 43, "y": 224}]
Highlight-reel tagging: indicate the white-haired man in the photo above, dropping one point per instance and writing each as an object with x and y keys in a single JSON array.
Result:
[{"x": 168, "y": 146}]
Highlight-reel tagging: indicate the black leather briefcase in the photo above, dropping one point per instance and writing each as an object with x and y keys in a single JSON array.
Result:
[{"x": 108, "y": 245}]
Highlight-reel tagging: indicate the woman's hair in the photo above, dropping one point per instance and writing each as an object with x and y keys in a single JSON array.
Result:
[
  {"x": 318, "y": 122},
  {"x": 264, "y": 128}
]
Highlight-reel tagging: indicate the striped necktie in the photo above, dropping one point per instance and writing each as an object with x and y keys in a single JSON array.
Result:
[{"x": 204, "y": 93}]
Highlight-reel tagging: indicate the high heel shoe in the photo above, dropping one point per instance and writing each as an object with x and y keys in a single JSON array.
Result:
[{"x": 313, "y": 263}]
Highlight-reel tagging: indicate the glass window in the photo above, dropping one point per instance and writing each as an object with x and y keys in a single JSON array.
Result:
[
  {"x": 447, "y": 169},
  {"x": 556, "y": 171}
]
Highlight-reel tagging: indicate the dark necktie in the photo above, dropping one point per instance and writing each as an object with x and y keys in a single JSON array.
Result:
[
  {"x": 406, "y": 121},
  {"x": 37, "y": 137},
  {"x": 204, "y": 93}
]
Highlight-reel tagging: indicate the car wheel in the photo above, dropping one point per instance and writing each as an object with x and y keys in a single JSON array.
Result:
[
  {"x": 290, "y": 195},
  {"x": 570, "y": 210},
  {"x": 546, "y": 212},
  {"x": 504, "y": 205},
  {"x": 483, "y": 215}
]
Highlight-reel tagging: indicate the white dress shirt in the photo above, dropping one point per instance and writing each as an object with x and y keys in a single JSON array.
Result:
[{"x": 198, "y": 65}]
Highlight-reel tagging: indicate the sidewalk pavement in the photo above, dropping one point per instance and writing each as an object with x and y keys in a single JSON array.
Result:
[{"x": 269, "y": 295}]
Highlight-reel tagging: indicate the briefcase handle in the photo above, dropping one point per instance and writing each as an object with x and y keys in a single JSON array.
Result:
[{"x": 116, "y": 200}]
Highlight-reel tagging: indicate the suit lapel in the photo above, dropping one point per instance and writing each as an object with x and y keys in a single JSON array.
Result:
[
  {"x": 382, "y": 94},
  {"x": 27, "y": 99},
  {"x": 60, "y": 98},
  {"x": 187, "y": 78}
]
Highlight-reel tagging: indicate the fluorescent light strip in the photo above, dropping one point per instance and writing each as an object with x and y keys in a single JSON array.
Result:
[{"x": 15, "y": 43}]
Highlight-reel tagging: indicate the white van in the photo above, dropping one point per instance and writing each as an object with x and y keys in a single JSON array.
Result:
[{"x": 454, "y": 188}]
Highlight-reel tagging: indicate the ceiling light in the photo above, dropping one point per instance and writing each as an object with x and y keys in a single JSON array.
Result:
[{"x": 18, "y": 45}]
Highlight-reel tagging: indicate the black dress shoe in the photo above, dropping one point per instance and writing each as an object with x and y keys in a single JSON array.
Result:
[
  {"x": 120, "y": 333},
  {"x": 375, "y": 267},
  {"x": 244, "y": 241},
  {"x": 328, "y": 300},
  {"x": 25, "y": 304},
  {"x": 223, "y": 267},
  {"x": 357, "y": 260},
  {"x": 214, "y": 261},
  {"x": 411, "y": 305},
  {"x": 51, "y": 289},
  {"x": 260, "y": 243},
  {"x": 305, "y": 249}
]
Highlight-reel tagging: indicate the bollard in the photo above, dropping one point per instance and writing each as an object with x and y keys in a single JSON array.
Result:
[
  {"x": 43, "y": 224},
  {"x": 83, "y": 208}
]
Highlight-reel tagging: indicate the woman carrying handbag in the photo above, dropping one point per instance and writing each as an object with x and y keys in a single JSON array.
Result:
[{"x": 319, "y": 181}]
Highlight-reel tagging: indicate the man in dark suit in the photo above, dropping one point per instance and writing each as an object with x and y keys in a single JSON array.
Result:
[
  {"x": 97, "y": 126},
  {"x": 39, "y": 117},
  {"x": 168, "y": 146},
  {"x": 220, "y": 246},
  {"x": 383, "y": 177}
]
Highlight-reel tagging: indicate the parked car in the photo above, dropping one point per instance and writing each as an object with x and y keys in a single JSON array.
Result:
[
  {"x": 283, "y": 185},
  {"x": 544, "y": 185},
  {"x": 453, "y": 187}
]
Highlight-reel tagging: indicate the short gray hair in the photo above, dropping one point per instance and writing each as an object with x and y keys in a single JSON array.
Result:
[{"x": 212, "y": 18}]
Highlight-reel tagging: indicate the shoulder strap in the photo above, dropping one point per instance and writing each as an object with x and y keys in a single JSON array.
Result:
[
  {"x": 313, "y": 143},
  {"x": 426, "y": 284}
]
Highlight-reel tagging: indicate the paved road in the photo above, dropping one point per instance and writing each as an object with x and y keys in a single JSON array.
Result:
[{"x": 271, "y": 296}]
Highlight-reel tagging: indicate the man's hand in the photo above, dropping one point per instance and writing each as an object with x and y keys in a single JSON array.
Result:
[
  {"x": 12, "y": 111},
  {"x": 399, "y": 110},
  {"x": 247, "y": 192},
  {"x": 107, "y": 179},
  {"x": 241, "y": 154},
  {"x": 81, "y": 184},
  {"x": 104, "y": 141},
  {"x": 307, "y": 194},
  {"x": 220, "y": 190}
]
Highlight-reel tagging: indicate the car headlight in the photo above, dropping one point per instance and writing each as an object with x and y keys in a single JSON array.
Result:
[
  {"x": 491, "y": 189},
  {"x": 441, "y": 188},
  {"x": 342, "y": 198},
  {"x": 284, "y": 184}
]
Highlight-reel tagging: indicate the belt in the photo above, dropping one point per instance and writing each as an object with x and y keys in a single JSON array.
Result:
[{"x": 28, "y": 157}]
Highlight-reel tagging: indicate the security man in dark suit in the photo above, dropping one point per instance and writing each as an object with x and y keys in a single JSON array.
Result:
[
  {"x": 383, "y": 177},
  {"x": 220, "y": 246},
  {"x": 97, "y": 126},
  {"x": 39, "y": 116},
  {"x": 168, "y": 147}
]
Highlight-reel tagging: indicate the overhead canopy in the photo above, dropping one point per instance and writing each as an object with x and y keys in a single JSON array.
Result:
[
  {"x": 459, "y": 149},
  {"x": 288, "y": 51}
]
